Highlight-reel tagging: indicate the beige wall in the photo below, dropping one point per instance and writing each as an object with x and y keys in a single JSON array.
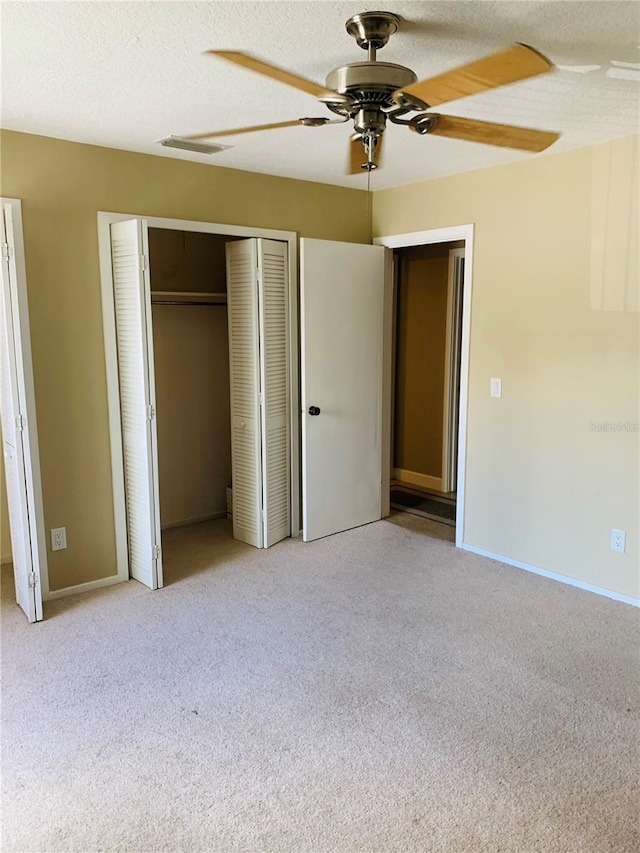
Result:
[
  {"x": 187, "y": 261},
  {"x": 191, "y": 347},
  {"x": 62, "y": 186},
  {"x": 420, "y": 354},
  {"x": 554, "y": 314}
]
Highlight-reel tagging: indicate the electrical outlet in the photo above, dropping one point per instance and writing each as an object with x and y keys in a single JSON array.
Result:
[
  {"x": 58, "y": 538},
  {"x": 618, "y": 538}
]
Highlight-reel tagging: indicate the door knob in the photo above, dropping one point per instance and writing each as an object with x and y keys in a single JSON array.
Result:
[{"x": 314, "y": 410}]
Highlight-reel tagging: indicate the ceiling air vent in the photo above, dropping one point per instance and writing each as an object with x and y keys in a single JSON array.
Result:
[{"x": 190, "y": 145}]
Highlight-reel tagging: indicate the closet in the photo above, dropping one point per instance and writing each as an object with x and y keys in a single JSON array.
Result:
[
  {"x": 203, "y": 366},
  {"x": 191, "y": 362}
]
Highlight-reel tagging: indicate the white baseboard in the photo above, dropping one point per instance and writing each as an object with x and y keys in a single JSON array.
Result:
[
  {"x": 210, "y": 517},
  {"x": 83, "y": 587},
  {"x": 415, "y": 479},
  {"x": 554, "y": 576}
]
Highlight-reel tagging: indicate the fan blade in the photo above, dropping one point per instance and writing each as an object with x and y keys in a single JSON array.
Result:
[
  {"x": 505, "y": 135},
  {"x": 280, "y": 74},
  {"x": 517, "y": 63},
  {"x": 253, "y": 129},
  {"x": 358, "y": 156}
]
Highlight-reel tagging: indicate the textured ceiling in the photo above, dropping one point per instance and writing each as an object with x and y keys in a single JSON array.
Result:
[{"x": 124, "y": 74}]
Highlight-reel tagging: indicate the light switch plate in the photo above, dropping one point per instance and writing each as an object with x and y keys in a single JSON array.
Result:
[{"x": 496, "y": 387}]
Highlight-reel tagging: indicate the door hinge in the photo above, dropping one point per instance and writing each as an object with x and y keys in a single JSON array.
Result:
[
  {"x": 20, "y": 423},
  {"x": 33, "y": 580},
  {"x": 262, "y": 515},
  {"x": 261, "y": 399},
  {"x": 143, "y": 263},
  {"x": 151, "y": 413},
  {"x": 156, "y": 552},
  {"x": 6, "y": 250}
]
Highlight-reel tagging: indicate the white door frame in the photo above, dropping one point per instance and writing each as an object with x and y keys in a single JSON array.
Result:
[
  {"x": 423, "y": 238},
  {"x": 37, "y": 541},
  {"x": 105, "y": 220},
  {"x": 451, "y": 364}
]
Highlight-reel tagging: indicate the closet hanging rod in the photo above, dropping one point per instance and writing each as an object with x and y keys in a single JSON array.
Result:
[{"x": 176, "y": 297}]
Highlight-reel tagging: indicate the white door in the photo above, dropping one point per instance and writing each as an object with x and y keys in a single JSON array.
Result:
[
  {"x": 257, "y": 291},
  {"x": 132, "y": 299},
  {"x": 19, "y": 430},
  {"x": 341, "y": 311}
]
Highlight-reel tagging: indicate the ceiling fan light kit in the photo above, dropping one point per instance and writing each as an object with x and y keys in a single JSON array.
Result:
[{"x": 371, "y": 93}]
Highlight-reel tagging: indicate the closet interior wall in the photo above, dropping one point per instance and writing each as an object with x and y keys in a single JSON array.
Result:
[{"x": 191, "y": 357}]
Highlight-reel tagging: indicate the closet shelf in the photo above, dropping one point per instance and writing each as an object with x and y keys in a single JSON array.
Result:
[{"x": 178, "y": 297}]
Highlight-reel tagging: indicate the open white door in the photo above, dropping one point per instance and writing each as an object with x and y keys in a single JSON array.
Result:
[
  {"x": 19, "y": 429},
  {"x": 257, "y": 291},
  {"x": 342, "y": 299},
  {"x": 132, "y": 297}
]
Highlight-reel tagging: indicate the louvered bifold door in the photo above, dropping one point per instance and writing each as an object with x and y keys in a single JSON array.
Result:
[
  {"x": 244, "y": 371},
  {"x": 132, "y": 301},
  {"x": 274, "y": 361},
  {"x": 23, "y": 536}
]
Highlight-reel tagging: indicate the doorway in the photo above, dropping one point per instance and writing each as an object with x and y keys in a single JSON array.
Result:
[
  {"x": 428, "y": 319},
  {"x": 427, "y": 362}
]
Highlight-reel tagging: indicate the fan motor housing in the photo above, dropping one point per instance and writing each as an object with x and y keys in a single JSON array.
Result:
[{"x": 380, "y": 77}]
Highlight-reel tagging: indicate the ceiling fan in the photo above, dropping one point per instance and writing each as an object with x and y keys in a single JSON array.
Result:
[{"x": 370, "y": 93}]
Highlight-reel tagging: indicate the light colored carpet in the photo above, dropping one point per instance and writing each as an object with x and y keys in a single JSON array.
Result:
[{"x": 374, "y": 691}]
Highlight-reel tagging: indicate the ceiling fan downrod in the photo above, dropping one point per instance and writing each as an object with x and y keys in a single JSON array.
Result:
[
  {"x": 366, "y": 88},
  {"x": 372, "y": 30}
]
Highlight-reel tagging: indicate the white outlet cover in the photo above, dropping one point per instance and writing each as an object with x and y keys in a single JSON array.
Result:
[
  {"x": 58, "y": 538},
  {"x": 496, "y": 387},
  {"x": 618, "y": 540}
]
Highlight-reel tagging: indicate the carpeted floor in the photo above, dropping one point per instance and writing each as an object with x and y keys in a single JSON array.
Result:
[{"x": 375, "y": 691}]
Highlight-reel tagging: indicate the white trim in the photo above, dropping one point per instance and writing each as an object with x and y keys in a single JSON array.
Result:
[
  {"x": 387, "y": 385},
  {"x": 196, "y": 520},
  {"x": 554, "y": 576},
  {"x": 447, "y": 235},
  {"x": 84, "y": 587},
  {"x": 30, "y": 436},
  {"x": 414, "y": 478},
  {"x": 105, "y": 220},
  {"x": 451, "y": 365}
]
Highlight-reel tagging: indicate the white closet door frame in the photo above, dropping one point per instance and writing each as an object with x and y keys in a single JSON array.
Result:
[
  {"x": 24, "y": 396},
  {"x": 104, "y": 221}
]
